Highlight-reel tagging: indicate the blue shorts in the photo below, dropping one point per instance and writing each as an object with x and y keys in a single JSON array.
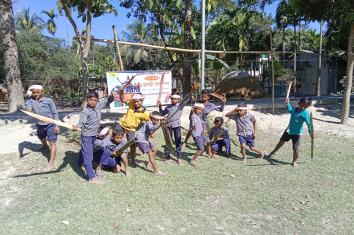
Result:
[
  {"x": 144, "y": 147},
  {"x": 248, "y": 140},
  {"x": 200, "y": 141},
  {"x": 47, "y": 131}
]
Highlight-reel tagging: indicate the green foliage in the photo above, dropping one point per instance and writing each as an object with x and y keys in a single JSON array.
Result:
[{"x": 280, "y": 73}]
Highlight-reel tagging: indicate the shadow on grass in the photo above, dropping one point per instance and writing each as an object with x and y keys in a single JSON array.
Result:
[
  {"x": 29, "y": 145},
  {"x": 69, "y": 159},
  {"x": 271, "y": 161}
]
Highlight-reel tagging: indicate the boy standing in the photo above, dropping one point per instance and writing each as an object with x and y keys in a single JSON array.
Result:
[
  {"x": 174, "y": 125},
  {"x": 89, "y": 122},
  {"x": 135, "y": 114},
  {"x": 293, "y": 132},
  {"x": 223, "y": 139},
  {"x": 44, "y": 106},
  {"x": 196, "y": 129},
  {"x": 142, "y": 140},
  {"x": 246, "y": 129}
]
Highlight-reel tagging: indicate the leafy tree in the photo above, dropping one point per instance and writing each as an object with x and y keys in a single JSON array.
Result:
[
  {"x": 11, "y": 66},
  {"x": 27, "y": 22},
  {"x": 51, "y": 26}
]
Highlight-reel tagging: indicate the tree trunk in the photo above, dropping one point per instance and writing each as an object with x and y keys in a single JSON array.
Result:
[
  {"x": 12, "y": 69},
  {"x": 318, "y": 83},
  {"x": 187, "y": 60},
  {"x": 349, "y": 80}
]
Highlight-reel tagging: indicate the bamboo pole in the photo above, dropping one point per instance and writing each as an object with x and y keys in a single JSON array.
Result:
[
  {"x": 117, "y": 47},
  {"x": 271, "y": 55},
  {"x": 196, "y": 51}
]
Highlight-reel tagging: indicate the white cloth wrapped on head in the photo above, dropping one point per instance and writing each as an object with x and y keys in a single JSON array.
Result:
[
  {"x": 242, "y": 108},
  {"x": 175, "y": 96},
  {"x": 138, "y": 96},
  {"x": 156, "y": 116},
  {"x": 198, "y": 105},
  {"x": 34, "y": 87},
  {"x": 103, "y": 131}
]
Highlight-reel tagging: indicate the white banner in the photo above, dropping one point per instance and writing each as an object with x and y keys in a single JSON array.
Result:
[{"x": 146, "y": 83}]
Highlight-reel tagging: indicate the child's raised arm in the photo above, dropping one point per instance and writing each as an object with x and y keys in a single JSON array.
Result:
[
  {"x": 122, "y": 96},
  {"x": 232, "y": 111}
]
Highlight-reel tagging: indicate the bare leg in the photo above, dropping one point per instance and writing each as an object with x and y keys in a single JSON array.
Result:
[
  {"x": 116, "y": 169},
  {"x": 53, "y": 152},
  {"x": 279, "y": 145},
  {"x": 124, "y": 157},
  {"x": 210, "y": 155},
  {"x": 197, "y": 154},
  {"x": 132, "y": 152},
  {"x": 186, "y": 140},
  {"x": 152, "y": 155},
  {"x": 44, "y": 144},
  {"x": 261, "y": 153},
  {"x": 295, "y": 156},
  {"x": 243, "y": 152}
]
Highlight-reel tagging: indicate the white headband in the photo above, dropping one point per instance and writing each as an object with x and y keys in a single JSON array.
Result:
[
  {"x": 156, "y": 116},
  {"x": 198, "y": 105},
  {"x": 242, "y": 108},
  {"x": 36, "y": 87},
  {"x": 138, "y": 97},
  {"x": 103, "y": 132},
  {"x": 175, "y": 96}
]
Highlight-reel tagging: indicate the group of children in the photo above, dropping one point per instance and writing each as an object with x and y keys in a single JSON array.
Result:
[{"x": 105, "y": 146}]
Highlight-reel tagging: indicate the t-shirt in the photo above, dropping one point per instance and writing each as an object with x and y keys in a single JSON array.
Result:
[
  {"x": 297, "y": 120},
  {"x": 145, "y": 131},
  {"x": 215, "y": 131},
  {"x": 113, "y": 146},
  {"x": 132, "y": 118},
  {"x": 169, "y": 110},
  {"x": 195, "y": 121},
  {"x": 99, "y": 143},
  {"x": 45, "y": 107},
  {"x": 244, "y": 124}
]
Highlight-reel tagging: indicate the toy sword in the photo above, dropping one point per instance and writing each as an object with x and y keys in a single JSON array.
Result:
[
  {"x": 312, "y": 134},
  {"x": 124, "y": 147},
  {"x": 217, "y": 95},
  {"x": 217, "y": 136},
  {"x": 289, "y": 88},
  {"x": 161, "y": 87},
  {"x": 128, "y": 82}
]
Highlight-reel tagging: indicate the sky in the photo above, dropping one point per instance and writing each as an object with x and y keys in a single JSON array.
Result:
[{"x": 101, "y": 26}]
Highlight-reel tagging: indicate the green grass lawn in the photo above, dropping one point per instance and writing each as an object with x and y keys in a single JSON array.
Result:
[{"x": 220, "y": 197}]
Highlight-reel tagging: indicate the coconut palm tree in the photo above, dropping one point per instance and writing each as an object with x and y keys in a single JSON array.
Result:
[
  {"x": 51, "y": 26},
  {"x": 27, "y": 22}
]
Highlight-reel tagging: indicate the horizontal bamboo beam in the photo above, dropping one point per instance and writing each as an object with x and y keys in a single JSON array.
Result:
[{"x": 196, "y": 51}]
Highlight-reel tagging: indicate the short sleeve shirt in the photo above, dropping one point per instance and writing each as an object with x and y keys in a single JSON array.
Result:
[
  {"x": 133, "y": 118},
  {"x": 244, "y": 124}
]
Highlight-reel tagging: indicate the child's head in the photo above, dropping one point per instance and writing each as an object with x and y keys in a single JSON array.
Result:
[
  {"x": 205, "y": 95},
  {"x": 218, "y": 122},
  {"x": 117, "y": 136},
  {"x": 91, "y": 98},
  {"x": 155, "y": 117},
  {"x": 198, "y": 107},
  {"x": 304, "y": 103},
  {"x": 102, "y": 132},
  {"x": 35, "y": 90},
  {"x": 138, "y": 100},
  {"x": 242, "y": 109},
  {"x": 175, "y": 98}
]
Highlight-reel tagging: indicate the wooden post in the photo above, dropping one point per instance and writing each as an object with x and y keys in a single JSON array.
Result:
[
  {"x": 117, "y": 47},
  {"x": 271, "y": 55}
]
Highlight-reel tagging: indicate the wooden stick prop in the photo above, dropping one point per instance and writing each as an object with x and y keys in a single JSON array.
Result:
[
  {"x": 128, "y": 82},
  {"x": 183, "y": 103},
  {"x": 289, "y": 88},
  {"x": 167, "y": 136},
  {"x": 217, "y": 137},
  {"x": 312, "y": 133},
  {"x": 217, "y": 95},
  {"x": 161, "y": 87},
  {"x": 50, "y": 120},
  {"x": 124, "y": 147}
]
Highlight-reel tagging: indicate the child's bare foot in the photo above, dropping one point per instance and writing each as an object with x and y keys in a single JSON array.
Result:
[
  {"x": 193, "y": 163},
  {"x": 180, "y": 162},
  {"x": 96, "y": 181},
  {"x": 295, "y": 165},
  {"x": 229, "y": 156},
  {"x": 213, "y": 156},
  {"x": 183, "y": 145},
  {"x": 244, "y": 160},
  {"x": 168, "y": 161},
  {"x": 148, "y": 166},
  {"x": 203, "y": 153},
  {"x": 160, "y": 173},
  {"x": 99, "y": 175},
  {"x": 261, "y": 156},
  {"x": 49, "y": 167},
  {"x": 127, "y": 174}
]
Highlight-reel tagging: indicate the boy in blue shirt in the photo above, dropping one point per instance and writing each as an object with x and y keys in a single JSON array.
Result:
[
  {"x": 89, "y": 122},
  {"x": 44, "y": 106},
  {"x": 223, "y": 139},
  {"x": 293, "y": 132}
]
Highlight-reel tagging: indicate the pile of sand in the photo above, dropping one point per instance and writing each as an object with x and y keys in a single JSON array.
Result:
[{"x": 244, "y": 88}]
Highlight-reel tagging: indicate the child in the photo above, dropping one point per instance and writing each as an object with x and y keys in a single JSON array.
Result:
[
  {"x": 209, "y": 107},
  {"x": 223, "y": 140},
  {"x": 89, "y": 122},
  {"x": 174, "y": 125},
  {"x": 196, "y": 130},
  {"x": 101, "y": 154},
  {"x": 135, "y": 114},
  {"x": 299, "y": 115},
  {"x": 246, "y": 129},
  {"x": 118, "y": 141},
  {"x": 142, "y": 140},
  {"x": 44, "y": 106}
]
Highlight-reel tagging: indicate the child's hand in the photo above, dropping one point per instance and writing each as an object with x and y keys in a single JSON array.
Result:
[
  {"x": 56, "y": 129},
  {"x": 287, "y": 100},
  {"x": 109, "y": 132},
  {"x": 158, "y": 103},
  {"x": 254, "y": 136},
  {"x": 223, "y": 100},
  {"x": 312, "y": 136},
  {"x": 152, "y": 135},
  {"x": 121, "y": 91},
  {"x": 30, "y": 110},
  {"x": 114, "y": 94},
  {"x": 75, "y": 128},
  {"x": 195, "y": 128},
  {"x": 114, "y": 154}
]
